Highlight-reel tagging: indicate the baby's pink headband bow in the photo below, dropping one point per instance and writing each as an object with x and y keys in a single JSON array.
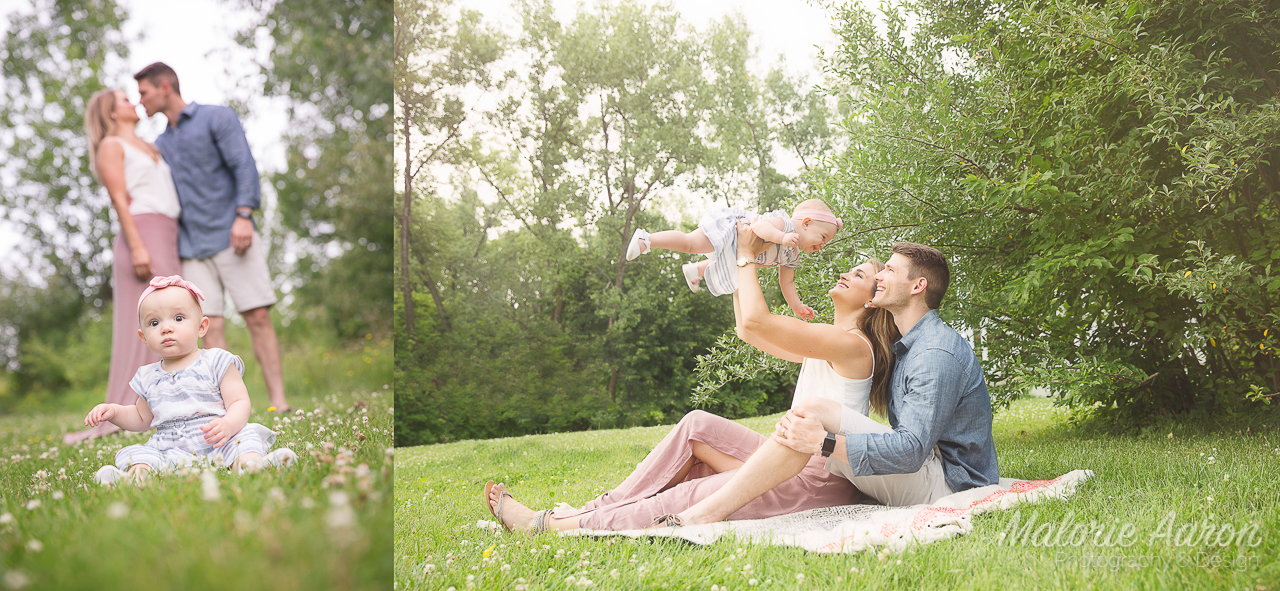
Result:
[
  {"x": 158, "y": 283},
  {"x": 818, "y": 215}
]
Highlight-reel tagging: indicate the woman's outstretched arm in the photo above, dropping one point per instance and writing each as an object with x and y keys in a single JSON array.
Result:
[{"x": 795, "y": 339}]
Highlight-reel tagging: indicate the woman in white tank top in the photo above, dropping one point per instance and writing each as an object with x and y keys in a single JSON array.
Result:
[
  {"x": 146, "y": 206},
  {"x": 696, "y": 461}
]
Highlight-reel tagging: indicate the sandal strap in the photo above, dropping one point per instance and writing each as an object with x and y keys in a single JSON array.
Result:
[
  {"x": 668, "y": 520},
  {"x": 541, "y": 522}
]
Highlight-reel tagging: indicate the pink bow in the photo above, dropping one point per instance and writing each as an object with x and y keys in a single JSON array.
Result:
[
  {"x": 819, "y": 216},
  {"x": 158, "y": 283}
]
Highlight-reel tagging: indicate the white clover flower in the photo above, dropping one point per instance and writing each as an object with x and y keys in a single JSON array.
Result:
[
  {"x": 752, "y": 582},
  {"x": 430, "y": 568},
  {"x": 117, "y": 510},
  {"x": 33, "y": 504},
  {"x": 209, "y": 486},
  {"x": 799, "y": 577},
  {"x": 6, "y": 518},
  {"x": 58, "y": 495}
]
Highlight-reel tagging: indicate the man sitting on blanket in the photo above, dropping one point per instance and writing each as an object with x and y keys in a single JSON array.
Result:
[{"x": 938, "y": 406}]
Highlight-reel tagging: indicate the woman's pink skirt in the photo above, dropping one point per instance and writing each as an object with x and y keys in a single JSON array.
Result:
[
  {"x": 640, "y": 498},
  {"x": 160, "y": 237}
]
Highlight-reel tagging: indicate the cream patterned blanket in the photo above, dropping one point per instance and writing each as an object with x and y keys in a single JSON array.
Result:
[{"x": 853, "y": 528}]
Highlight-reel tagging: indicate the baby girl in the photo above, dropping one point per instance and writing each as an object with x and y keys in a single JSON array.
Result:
[
  {"x": 195, "y": 398},
  {"x": 808, "y": 230}
]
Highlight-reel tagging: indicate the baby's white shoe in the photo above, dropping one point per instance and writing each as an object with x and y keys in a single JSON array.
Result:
[
  {"x": 691, "y": 277},
  {"x": 639, "y": 244},
  {"x": 109, "y": 475},
  {"x": 282, "y": 458}
]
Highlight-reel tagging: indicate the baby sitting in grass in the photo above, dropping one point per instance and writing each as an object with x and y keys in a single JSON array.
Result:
[{"x": 195, "y": 398}]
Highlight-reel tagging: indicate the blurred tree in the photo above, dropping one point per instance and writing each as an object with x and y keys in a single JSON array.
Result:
[
  {"x": 330, "y": 60},
  {"x": 55, "y": 57}
]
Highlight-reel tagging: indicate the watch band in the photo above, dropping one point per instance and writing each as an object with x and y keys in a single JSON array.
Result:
[{"x": 829, "y": 445}]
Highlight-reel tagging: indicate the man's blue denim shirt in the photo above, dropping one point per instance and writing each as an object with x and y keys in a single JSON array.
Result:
[
  {"x": 937, "y": 396},
  {"x": 214, "y": 174}
]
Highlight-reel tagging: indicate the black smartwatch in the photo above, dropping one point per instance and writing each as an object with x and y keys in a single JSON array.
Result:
[{"x": 829, "y": 445}]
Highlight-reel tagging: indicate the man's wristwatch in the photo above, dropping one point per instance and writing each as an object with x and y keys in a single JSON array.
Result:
[
  {"x": 829, "y": 445},
  {"x": 244, "y": 213}
]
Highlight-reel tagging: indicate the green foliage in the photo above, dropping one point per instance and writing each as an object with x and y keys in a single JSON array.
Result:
[
  {"x": 533, "y": 313},
  {"x": 1099, "y": 175},
  {"x": 55, "y": 56},
  {"x": 329, "y": 60}
]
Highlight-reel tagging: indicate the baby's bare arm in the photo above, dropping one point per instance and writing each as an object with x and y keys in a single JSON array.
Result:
[
  {"x": 235, "y": 396},
  {"x": 134, "y": 417},
  {"x": 770, "y": 229}
]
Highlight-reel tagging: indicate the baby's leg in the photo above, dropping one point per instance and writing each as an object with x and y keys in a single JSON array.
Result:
[
  {"x": 251, "y": 461},
  {"x": 695, "y": 242},
  {"x": 139, "y": 471},
  {"x": 702, "y": 266}
]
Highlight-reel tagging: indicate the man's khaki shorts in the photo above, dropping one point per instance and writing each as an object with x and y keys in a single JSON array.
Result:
[{"x": 246, "y": 278}]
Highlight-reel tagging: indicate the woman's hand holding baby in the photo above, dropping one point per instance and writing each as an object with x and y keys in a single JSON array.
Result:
[{"x": 102, "y": 412}]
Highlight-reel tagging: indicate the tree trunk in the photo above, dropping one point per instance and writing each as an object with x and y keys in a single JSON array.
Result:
[
  {"x": 439, "y": 299},
  {"x": 406, "y": 285}
]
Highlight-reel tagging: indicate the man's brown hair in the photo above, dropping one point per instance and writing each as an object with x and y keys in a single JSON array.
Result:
[
  {"x": 157, "y": 72},
  {"x": 929, "y": 263}
]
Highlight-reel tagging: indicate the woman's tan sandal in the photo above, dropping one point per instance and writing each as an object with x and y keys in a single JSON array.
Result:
[
  {"x": 496, "y": 511},
  {"x": 668, "y": 520},
  {"x": 541, "y": 522}
]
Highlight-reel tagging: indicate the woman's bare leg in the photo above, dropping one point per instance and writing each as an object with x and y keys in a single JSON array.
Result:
[
  {"x": 695, "y": 242},
  {"x": 771, "y": 465},
  {"x": 518, "y": 517}
]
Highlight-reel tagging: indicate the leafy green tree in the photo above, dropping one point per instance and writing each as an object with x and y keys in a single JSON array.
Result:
[
  {"x": 437, "y": 60},
  {"x": 1099, "y": 175},
  {"x": 56, "y": 55},
  {"x": 329, "y": 59}
]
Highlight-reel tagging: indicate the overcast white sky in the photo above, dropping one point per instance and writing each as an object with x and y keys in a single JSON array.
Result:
[{"x": 196, "y": 38}]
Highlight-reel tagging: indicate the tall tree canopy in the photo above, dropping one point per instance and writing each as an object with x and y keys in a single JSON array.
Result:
[
  {"x": 536, "y": 316},
  {"x": 330, "y": 60},
  {"x": 1100, "y": 175}
]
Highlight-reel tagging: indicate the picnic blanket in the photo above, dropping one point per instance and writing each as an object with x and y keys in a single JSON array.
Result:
[{"x": 853, "y": 528}]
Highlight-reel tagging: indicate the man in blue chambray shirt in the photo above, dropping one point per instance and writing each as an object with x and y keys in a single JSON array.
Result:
[
  {"x": 939, "y": 409},
  {"x": 217, "y": 183}
]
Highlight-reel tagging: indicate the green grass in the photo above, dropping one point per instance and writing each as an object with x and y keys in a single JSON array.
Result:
[
  {"x": 1138, "y": 480},
  {"x": 324, "y": 524}
]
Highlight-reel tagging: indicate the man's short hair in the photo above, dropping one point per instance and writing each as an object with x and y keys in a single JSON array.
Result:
[
  {"x": 157, "y": 72},
  {"x": 927, "y": 262}
]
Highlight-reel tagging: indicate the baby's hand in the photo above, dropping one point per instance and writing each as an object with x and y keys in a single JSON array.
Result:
[
  {"x": 804, "y": 312},
  {"x": 102, "y": 412},
  {"x": 216, "y": 432},
  {"x": 790, "y": 239}
]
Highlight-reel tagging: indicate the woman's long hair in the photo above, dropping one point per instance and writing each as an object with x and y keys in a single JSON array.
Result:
[
  {"x": 99, "y": 124},
  {"x": 880, "y": 329}
]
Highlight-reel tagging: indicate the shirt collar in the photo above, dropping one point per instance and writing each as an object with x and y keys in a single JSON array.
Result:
[
  {"x": 921, "y": 326},
  {"x": 188, "y": 111}
]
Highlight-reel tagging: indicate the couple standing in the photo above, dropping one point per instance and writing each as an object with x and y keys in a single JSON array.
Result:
[
  {"x": 886, "y": 349},
  {"x": 185, "y": 206}
]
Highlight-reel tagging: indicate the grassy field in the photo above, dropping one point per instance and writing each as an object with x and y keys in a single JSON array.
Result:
[
  {"x": 323, "y": 524},
  {"x": 1208, "y": 475}
]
